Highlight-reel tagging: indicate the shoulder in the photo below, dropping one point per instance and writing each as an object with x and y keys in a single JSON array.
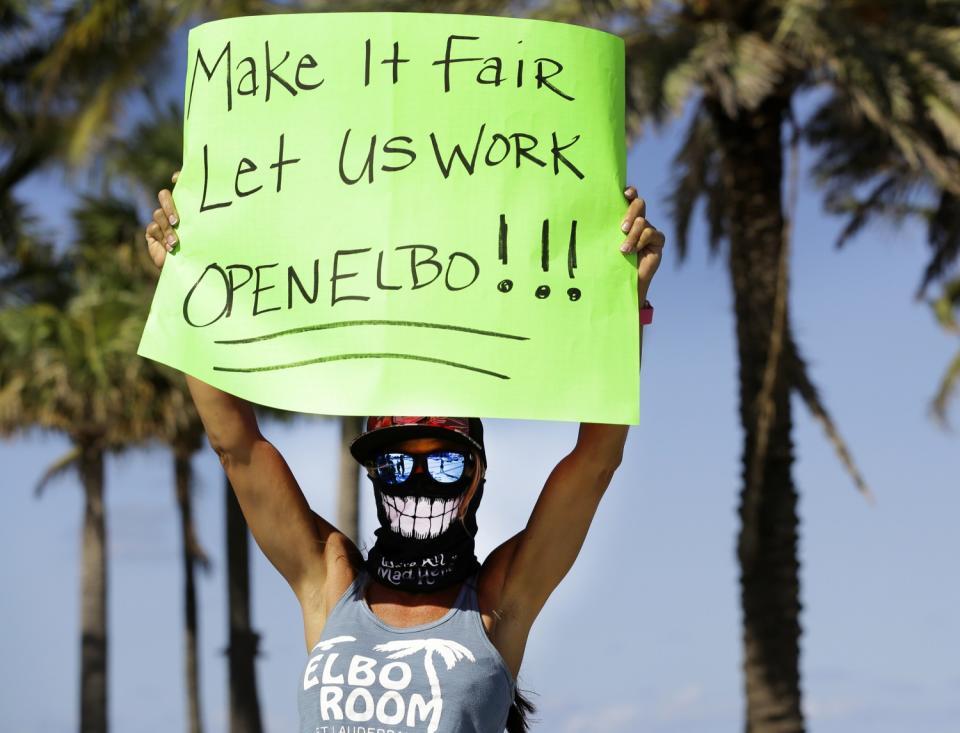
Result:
[
  {"x": 493, "y": 573},
  {"x": 342, "y": 564},
  {"x": 495, "y": 590},
  {"x": 506, "y": 624}
]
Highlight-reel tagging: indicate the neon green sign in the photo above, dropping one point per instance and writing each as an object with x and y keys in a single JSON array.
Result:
[{"x": 403, "y": 213}]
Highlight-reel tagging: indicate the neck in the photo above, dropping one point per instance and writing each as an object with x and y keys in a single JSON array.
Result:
[
  {"x": 377, "y": 592},
  {"x": 427, "y": 567}
]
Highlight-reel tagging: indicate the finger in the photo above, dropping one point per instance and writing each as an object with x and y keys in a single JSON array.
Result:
[
  {"x": 167, "y": 236},
  {"x": 636, "y": 208},
  {"x": 175, "y": 176},
  {"x": 633, "y": 211},
  {"x": 636, "y": 228},
  {"x": 155, "y": 234},
  {"x": 657, "y": 239},
  {"x": 166, "y": 201},
  {"x": 646, "y": 239},
  {"x": 156, "y": 250},
  {"x": 630, "y": 193},
  {"x": 641, "y": 205}
]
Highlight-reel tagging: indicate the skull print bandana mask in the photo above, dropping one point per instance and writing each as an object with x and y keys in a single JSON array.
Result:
[{"x": 421, "y": 544}]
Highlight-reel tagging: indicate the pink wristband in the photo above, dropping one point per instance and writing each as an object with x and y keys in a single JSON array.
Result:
[{"x": 646, "y": 313}]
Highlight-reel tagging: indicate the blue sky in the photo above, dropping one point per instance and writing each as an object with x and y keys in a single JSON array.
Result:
[{"x": 644, "y": 633}]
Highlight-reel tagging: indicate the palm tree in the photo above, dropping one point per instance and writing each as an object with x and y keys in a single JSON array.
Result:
[
  {"x": 192, "y": 556},
  {"x": 747, "y": 62},
  {"x": 164, "y": 409},
  {"x": 174, "y": 421},
  {"x": 450, "y": 651},
  {"x": 244, "y": 641},
  {"x": 65, "y": 367}
]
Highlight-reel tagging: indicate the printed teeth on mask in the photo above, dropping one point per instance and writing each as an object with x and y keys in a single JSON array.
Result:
[{"x": 420, "y": 517}]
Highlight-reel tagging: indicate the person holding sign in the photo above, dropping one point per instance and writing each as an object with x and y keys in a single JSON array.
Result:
[{"x": 419, "y": 635}]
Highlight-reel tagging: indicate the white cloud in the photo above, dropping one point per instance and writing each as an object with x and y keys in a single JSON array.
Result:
[
  {"x": 681, "y": 703},
  {"x": 611, "y": 719},
  {"x": 827, "y": 708}
]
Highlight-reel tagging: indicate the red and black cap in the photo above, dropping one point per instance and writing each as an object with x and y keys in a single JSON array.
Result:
[{"x": 383, "y": 431}]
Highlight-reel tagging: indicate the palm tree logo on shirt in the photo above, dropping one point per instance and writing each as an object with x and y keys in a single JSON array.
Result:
[
  {"x": 326, "y": 645},
  {"x": 451, "y": 652}
]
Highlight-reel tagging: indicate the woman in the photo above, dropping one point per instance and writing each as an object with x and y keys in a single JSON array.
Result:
[{"x": 419, "y": 636}]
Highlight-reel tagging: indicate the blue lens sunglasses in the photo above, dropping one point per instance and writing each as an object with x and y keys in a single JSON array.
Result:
[{"x": 443, "y": 466}]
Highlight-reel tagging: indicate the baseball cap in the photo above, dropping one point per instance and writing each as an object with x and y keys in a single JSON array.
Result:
[{"x": 382, "y": 431}]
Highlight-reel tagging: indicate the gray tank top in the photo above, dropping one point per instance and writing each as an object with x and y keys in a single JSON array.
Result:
[{"x": 365, "y": 676}]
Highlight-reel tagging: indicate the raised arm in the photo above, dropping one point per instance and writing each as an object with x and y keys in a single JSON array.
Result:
[
  {"x": 530, "y": 565},
  {"x": 540, "y": 555},
  {"x": 301, "y": 545}
]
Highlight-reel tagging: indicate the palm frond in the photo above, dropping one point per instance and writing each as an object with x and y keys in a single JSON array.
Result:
[
  {"x": 59, "y": 467},
  {"x": 946, "y": 390},
  {"x": 946, "y": 309},
  {"x": 943, "y": 236},
  {"x": 401, "y": 648},
  {"x": 880, "y": 201},
  {"x": 757, "y": 69},
  {"x": 800, "y": 380},
  {"x": 147, "y": 156},
  {"x": 865, "y": 178},
  {"x": 697, "y": 175},
  {"x": 651, "y": 60},
  {"x": 905, "y": 83}
]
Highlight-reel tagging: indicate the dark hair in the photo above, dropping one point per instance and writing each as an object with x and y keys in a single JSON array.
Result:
[{"x": 517, "y": 717}]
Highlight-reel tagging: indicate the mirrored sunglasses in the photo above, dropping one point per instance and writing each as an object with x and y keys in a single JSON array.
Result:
[{"x": 442, "y": 466}]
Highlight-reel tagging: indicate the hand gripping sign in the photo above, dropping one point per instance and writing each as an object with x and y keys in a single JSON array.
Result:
[{"x": 399, "y": 213}]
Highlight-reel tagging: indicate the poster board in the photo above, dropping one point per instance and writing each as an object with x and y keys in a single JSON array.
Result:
[{"x": 403, "y": 213}]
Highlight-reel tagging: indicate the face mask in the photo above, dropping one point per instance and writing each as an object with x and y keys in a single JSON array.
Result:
[
  {"x": 421, "y": 544},
  {"x": 420, "y": 508}
]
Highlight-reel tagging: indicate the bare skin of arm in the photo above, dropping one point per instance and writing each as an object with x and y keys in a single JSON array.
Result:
[
  {"x": 519, "y": 575},
  {"x": 317, "y": 560}
]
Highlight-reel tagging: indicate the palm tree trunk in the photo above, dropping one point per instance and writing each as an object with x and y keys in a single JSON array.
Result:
[
  {"x": 93, "y": 594},
  {"x": 242, "y": 651},
  {"x": 189, "y": 557},
  {"x": 767, "y": 545},
  {"x": 348, "y": 490}
]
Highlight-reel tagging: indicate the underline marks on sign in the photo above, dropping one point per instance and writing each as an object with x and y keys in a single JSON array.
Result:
[
  {"x": 343, "y": 357},
  {"x": 368, "y": 322},
  {"x": 372, "y": 322}
]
